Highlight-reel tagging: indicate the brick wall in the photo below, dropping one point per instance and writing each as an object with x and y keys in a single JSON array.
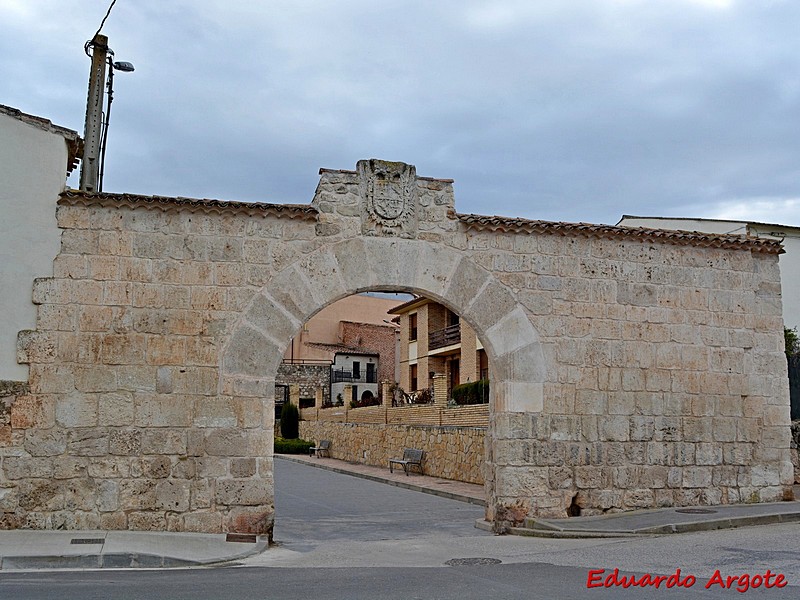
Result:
[
  {"x": 373, "y": 338},
  {"x": 410, "y": 414},
  {"x": 469, "y": 354}
]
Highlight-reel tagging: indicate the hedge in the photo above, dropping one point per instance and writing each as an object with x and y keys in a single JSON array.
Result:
[
  {"x": 296, "y": 446},
  {"x": 476, "y": 392}
]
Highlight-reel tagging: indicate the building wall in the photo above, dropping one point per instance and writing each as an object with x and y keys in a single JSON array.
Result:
[
  {"x": 309, "y": 378},
  {"x": 790, "y": 269},
  {"x": 374, "y": 338},
  {"x": 345, "y": 361},
  {"x": 789, "y": 261},
  {"x": 325, "y": 327},
  {"x": 436, "y": 318},
  {"x": 33, "y": 163},
  {"x": 470, "y": 370}
]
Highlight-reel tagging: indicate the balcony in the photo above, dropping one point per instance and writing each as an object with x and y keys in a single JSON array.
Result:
[
  {"x": 343, "y": 376},
  {"x": 448, "y": 336}
]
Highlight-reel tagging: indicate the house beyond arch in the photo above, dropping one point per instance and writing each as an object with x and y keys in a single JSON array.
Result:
[{"x": 631, "y": 368}]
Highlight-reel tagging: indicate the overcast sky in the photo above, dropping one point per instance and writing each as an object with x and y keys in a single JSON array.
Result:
[{"x": 569, "y": 110}]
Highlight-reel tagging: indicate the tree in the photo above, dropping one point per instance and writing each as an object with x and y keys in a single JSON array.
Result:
[
  {"x": 791, "y": 341},
  {"x": 290, "y": 422}
]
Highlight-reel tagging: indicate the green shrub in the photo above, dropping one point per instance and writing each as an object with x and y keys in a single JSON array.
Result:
[
  {"x": 290, "y": 422},
  {"x": 791, "y": 341},
  {"x": 476, "y": 392},
  {"x": 297, "y": 446}
]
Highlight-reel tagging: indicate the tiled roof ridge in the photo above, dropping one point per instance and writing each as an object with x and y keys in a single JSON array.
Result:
[
  {"x": 680, "y": 238},
  {"x": 292, "y": 211}
]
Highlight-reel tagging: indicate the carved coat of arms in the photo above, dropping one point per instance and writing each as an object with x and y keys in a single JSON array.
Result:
[{"x": 390, "y": 198}]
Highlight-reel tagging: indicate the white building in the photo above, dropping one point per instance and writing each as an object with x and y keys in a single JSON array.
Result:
[
  {"x": 789, "y": 261},
  {"x": 360, "y": 371},
  {"x": 35, "y": 159}
]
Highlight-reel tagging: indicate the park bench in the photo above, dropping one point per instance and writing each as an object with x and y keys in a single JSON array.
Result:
[
  {"x": 411, "y": 457},
  {"x": 324, "y": 449}
]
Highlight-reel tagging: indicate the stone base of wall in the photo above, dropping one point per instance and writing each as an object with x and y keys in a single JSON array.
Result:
[
  {"x": 450, "y": 452},
  {"x": 10, "y": 409}
]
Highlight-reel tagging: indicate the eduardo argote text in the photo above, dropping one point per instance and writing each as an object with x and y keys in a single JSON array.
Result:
[{"x": 600, "y": 578}]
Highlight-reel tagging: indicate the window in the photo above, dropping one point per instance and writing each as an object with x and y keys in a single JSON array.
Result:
[
  {"x": 356, "y": 370},
  {"x": 413, "y": 377},
  {"x": 371, "y": 373},
  {"x": 452, "y": 318},
  {"x": 412, "y": 327}
]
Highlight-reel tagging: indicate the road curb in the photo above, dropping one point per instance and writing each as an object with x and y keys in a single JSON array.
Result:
[
  {"x": 120, "y": 560},
  {"x": 548, "y": 529}
]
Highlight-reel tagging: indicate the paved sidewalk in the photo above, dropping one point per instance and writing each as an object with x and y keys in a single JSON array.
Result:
[{"x": 27, "y": 549}]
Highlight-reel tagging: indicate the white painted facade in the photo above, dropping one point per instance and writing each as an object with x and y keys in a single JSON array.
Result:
[
  {"x": 789, "y": 261},
  {"x": 356, "y": 370},
  {"x": 35, "y": 156}
]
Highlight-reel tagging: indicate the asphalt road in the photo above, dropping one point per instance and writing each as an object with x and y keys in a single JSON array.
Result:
[
  {"x": 343, "y": 537},
  {"x": 512, "y": 582}
]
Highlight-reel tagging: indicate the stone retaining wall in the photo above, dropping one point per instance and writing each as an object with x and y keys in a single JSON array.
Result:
[{"x": 450, "y": 452}]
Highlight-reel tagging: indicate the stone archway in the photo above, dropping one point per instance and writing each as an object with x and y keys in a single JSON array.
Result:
[
  {"x": 260, "y": 337},
  {"x": 631, "y": 368}
]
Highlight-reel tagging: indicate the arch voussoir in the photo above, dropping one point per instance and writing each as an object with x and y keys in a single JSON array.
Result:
[
  {"x": 269, "y": 316},
  {"x": 240, "y": 357},
  {"x": 351, "y": 256}
]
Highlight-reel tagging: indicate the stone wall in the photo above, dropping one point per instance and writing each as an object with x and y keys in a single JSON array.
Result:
[
  {"x": 450, "y": 452},
  {"x": 309, "y": 378},
  {"x": 630, "y": 368},
  {"x": 14, "y": 408}
]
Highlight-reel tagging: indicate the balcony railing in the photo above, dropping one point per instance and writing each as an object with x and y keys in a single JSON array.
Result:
[
  {"x": 343, "y": 376},
  {"x": 444, "y": 337}
]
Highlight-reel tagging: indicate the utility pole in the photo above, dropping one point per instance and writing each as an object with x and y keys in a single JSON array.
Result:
[{"x": 92, "y": 131}]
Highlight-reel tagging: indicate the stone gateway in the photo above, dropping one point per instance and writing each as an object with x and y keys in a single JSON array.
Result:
[{"x": 630, "y": 368}]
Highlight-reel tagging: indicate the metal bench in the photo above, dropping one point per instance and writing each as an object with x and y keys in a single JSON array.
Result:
[
  {"x": 411, "y": 457},
  {"x": 324, "y": 449}
]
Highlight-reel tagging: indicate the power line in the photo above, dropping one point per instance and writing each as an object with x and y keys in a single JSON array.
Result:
[{"x": 108, "y": 12}]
